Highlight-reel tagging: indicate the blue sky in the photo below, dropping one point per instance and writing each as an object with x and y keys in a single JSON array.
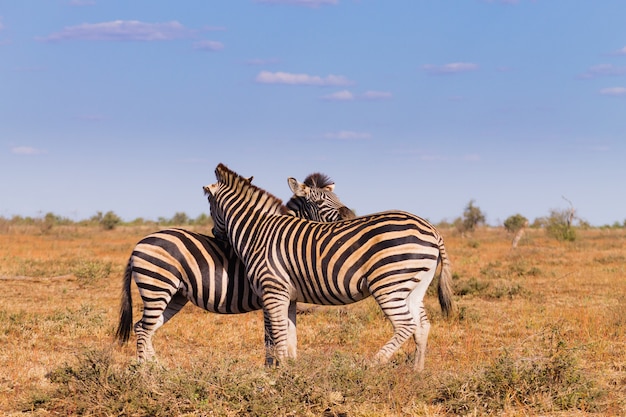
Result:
[{"x": 419, "y": 105}]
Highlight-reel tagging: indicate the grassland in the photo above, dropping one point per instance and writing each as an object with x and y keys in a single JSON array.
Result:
[{"x": 540, "y": 330}]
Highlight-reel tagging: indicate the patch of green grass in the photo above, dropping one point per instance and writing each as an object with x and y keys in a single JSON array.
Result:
[
  {"x": 90, "y": 271},
  {"x": 87, "y": 271},
  {"x": 549, "y": 381},
  {"x": 471, "y": 287},
  {"x": 95, "y": 385}
]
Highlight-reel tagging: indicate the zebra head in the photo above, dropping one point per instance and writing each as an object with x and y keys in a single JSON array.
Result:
[
  {"x": 229, "y": 191},
  {"x": 315, "y": 200},
  {"x": 219, "y": 224}
]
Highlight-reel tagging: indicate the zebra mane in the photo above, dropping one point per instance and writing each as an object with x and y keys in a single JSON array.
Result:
[
  {"x": 224, "y": 174},
  {"x": 318, "y": 180}
]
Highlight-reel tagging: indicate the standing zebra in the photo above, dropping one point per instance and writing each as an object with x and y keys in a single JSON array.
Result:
[
  {"x": 392, "y": 256},
  {"x": 174, "y": 266}
]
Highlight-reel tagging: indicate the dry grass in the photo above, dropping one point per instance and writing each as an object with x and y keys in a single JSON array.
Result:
[{"x": 540, "y": 331}]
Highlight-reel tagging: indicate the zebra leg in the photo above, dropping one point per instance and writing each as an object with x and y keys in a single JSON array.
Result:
[
  {"x": 397, "y": 312},
  {"x": 144, "y": 332},
  {"x": 292, "y": 336},
  {"x": 416, "y": 306},
  {"x": 276, "y": 311},
  {"x": 174, "y": 306},
  {"x": 269, "y": 340},
  {"x": 158, "y": 307}
]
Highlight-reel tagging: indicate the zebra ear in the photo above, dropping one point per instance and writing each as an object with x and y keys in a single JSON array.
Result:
[
  {"x": 210, "y": 189},
  {"x": 329, "y": 187},
  {"x": 298, "y": 188}
]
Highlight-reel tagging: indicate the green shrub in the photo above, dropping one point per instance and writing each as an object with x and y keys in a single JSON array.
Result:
[
  {"x": 514, "y": 223},
  {"x": 326, "y": 385},
  {"x": 472, "y": 217},
  {"x": 547, "y": 381},
  {"x": 110, "y": 220},
  {"x": 558, "y": 226}
]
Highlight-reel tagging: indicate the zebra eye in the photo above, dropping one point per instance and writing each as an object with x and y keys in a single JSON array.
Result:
[{"x": 319, "y": 202}]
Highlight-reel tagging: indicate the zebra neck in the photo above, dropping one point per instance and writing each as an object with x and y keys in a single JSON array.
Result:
[{"x": 245, "y": 216}]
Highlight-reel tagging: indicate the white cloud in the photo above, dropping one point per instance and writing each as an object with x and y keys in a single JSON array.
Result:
[
  {"x": 346, "y": 95},
  {"x": 343, "y": 95},
  {"x": 26, "y": 150},
  {"x": 614, "y": 91},
  {"x": 266, "y": 77},
  {"x": 347, "y": 135},
  {"x": 121, "y": 30},
  {"x": 472, "y": 157},
  {"x": 307, "y": 3},
  {"x": 376, "y": 95},
  {"x": 451, "y": 68},
  {"x": 621, "y": 51},
  {"x": 603, "y": 70},
  {"x": 207, "y": 45}
]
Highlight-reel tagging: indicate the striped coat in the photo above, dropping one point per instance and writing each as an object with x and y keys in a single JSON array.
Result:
[
  {"x": 172, "y": 267},
  {"x": 392, "y": 256}
]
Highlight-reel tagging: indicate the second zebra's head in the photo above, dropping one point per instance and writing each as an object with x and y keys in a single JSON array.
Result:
[{"x": 315, "y": 199}]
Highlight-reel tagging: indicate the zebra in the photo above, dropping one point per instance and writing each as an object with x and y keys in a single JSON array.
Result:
[
  {"x": 392, "y": 256},
  {"x": 174, "y": 266}
]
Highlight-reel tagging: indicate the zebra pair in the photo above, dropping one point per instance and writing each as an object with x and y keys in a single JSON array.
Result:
[
  {"x": 392, "y": 256},
  {"x": 174, "y": 266}
]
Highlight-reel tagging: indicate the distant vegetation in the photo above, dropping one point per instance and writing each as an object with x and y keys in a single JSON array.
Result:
[
  {"x": 107, "y": 221},
  {"x": 559, "y": 224}
]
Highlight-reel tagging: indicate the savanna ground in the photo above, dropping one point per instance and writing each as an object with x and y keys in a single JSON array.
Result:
[{"x": 540, "y": 330}]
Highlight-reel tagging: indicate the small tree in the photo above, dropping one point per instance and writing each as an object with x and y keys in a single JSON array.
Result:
[
  {"x": 180, "y": 218},
  {"x": 202, "y": 220},
  {"x": 516, "y": 224},
  {"x": 472, "y": 217},
  {"x": 48, "y": 222},
  {"x": 559, "y": 225},
  {"x": 109, "y": 220}
]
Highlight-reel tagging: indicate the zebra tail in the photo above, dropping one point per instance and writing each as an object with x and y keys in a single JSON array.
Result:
[
  {"x": 444, "y": 290},
  {"x": 126, "y": 308}
]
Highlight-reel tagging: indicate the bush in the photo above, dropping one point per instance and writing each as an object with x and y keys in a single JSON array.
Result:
[
  {"x": 328, "y": 385},
  {"x": 203, "y": 220},
  {"x": 514, "y": 223},
  {"x": 558, "y": 225},
  {"x": 110, "y": 220},
  {"x": 472, "y": 217},
  {"x": 180, "y": 218},
  {"x": 547, "y": 381}
]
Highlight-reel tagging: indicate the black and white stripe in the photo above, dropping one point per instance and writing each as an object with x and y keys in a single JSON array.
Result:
[
  {"x": 175, "y": 266},
  {"x": 392, "y": 256}
]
